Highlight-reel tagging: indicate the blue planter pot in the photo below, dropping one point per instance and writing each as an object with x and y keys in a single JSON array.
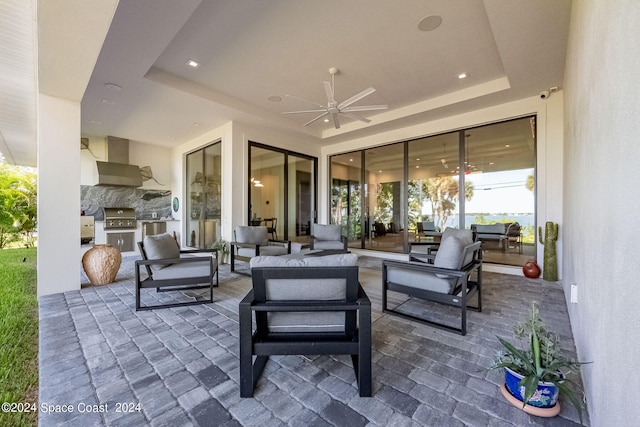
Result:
[{"x": 546, "y": 396}]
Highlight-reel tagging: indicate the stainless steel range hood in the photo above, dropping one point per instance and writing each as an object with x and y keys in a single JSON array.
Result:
[{"x": 117, "y": 170}]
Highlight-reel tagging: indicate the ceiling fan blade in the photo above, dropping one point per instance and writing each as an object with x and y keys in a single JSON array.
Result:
[
  {"x": 305, "y": 111},
  {"x": 365, "y": 108},
  {"x": 336, "y": 122},
  {"x": 319, "y": 117},
  {"x": 329, "y": 91},
  {"x": 356, "y": 98},
  {"x": 306, "y": 100},
  {"x": 355, "y": 117}
]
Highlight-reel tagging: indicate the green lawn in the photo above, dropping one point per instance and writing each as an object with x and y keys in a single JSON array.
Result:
[{"x": 18, "y": 334}]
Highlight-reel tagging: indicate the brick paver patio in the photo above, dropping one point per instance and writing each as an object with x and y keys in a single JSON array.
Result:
[{"x": 112, "y": 365}]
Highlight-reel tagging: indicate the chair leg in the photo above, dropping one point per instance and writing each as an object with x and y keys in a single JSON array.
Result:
[
  {"x": 364, "y": 350},
  {"x": 246, "y": 368}
]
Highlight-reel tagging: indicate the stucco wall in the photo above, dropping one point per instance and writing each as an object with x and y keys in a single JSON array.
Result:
[
  {"x": 602, "y": 199},
  {"x": 58, "y": 195}
]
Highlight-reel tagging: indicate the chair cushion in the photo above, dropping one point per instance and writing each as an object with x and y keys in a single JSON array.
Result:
[
  {"x": 428, "y": 226},
  {"x": 339, "y": 260},
  {"x": 273, "y": 250},
  {"x": 465, "y": 234},
  {"x": 187, "y": 270},
  {"x": 420, "y": 280},
  {"x": 160, "y": 246},
  {"x": 326, "y": 232},
  {"x": 328, "y": 245},
  {"x": 498, "y": 228},
  {"x": 450, "y": 253},
  {"x": 256, "y": 235}
]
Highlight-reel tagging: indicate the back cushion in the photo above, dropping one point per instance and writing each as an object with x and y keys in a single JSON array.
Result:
[
  {"x": 464, "y": 234},
  {"x": 449, "y": 253},
  {"x": 339, "y": 260},
  {"x": 326, "y": 231},
  {"x": 297, "y": 288},
  {"x": 428, "y": 226},
  {"x": 252, "y": 234},
  {"x": 160, "y": 246}
]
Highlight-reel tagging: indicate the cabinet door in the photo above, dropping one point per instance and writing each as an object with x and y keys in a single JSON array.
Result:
[{"x": 124, "y": 242}]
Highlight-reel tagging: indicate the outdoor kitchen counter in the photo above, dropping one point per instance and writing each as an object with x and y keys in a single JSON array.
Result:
[{"x": 173, "y": 225}]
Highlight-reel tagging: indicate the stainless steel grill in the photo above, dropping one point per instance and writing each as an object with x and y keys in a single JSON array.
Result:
[{"x": 119, "y": 218}]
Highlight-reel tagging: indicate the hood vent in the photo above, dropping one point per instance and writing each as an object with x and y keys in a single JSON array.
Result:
[{"x": 117, "y": 170}]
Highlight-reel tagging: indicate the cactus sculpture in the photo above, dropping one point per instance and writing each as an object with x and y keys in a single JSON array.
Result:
[{"x": 550, "y": 266}]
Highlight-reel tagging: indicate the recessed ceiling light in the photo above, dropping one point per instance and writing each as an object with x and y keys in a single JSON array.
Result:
[
  {"x": 417, "y": 166},
  {"x": 429, "y": 23},
  {"x": 463, "y": 76},
  {"x": 418, "y": 159},
  {"x": 507, "y": 145},
  {"x": 326, "y": 120},
  {"x": 193, "y": 63},
  {"x": 113, "y": 86},
  {"x": 196, "y": 124},
  {"x": 108, "y": 102},
  {"x": 351, "y": 160},
  {"x": 274, "y": 98}
]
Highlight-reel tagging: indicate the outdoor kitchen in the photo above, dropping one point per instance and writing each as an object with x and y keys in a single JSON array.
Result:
[{"x": 121, "y": 201}]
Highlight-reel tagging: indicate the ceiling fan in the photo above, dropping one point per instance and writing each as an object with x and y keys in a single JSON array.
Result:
[{"x": 333, "y": 108}]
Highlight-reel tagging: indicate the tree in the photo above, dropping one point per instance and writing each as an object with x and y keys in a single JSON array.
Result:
[
  {"x": 18, "y": 205},
  {"x": 443, "y": 193},
  {"x": 531, "y": 183}
]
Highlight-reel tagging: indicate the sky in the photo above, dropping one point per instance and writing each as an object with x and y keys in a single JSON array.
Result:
[{"x": 498, "y": 192}]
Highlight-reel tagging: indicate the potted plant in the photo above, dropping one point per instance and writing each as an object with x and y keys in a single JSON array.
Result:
[
  {"x": 533, "y": 375},
  {"x": 221, "y": 246}
]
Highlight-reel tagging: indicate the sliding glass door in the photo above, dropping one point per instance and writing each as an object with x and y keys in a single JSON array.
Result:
[
  {"x": 386, "y": 197},
  {"x": 282, "y": 192}
]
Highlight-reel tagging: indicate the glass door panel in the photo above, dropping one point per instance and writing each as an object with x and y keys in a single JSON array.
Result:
[
  {"x": 385, "y": 198},
  {"x": 433, "y": 185},
  {"x": 203, "y": 207},
  {"x": 501, "y": 174},
  {"x": 301, "y": 198},
  {"x": 267, "y": 190},
  {"x": 346, "y": 199}
]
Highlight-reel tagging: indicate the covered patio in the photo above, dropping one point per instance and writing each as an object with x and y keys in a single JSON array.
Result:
[{"x": 180, "y": 366}]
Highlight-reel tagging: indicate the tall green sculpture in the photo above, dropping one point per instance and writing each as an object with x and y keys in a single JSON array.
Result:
[{"x": 550, "y": 266}]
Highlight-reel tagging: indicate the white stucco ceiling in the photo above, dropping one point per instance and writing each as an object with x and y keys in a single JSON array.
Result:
[{"x": 249, "y": 51}]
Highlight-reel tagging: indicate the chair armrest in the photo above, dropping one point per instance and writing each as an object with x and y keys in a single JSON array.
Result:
[
  {"x": 428, "y": 257},
  {"x": 423, "y": 244},
  {"x": 247, "y": 301},
  {"x": 429, "y": 268},
  {"x": 363, "y": 298},
  {"x": 285, "y": 243},
  {"x": 170, "y": 260},
  {"x": 195, "y": 251}
]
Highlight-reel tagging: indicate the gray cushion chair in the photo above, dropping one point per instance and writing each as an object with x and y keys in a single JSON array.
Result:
[
  {"x": 425, "y": 251},
  {"x": 306, "y": 305},
  {"x": 327, "y": 237},
  {"x": 427, "y": 229},
  {"x": 452, "y": 276},
  {"x": 251, "y": 241},
  {"x": 170, "y": 269}
]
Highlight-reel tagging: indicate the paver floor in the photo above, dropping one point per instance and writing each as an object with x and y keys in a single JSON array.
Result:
[{"x": 103, "y": 363}]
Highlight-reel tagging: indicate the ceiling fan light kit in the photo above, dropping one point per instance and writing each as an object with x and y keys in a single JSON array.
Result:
[{"x": 333, "y": 109}]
